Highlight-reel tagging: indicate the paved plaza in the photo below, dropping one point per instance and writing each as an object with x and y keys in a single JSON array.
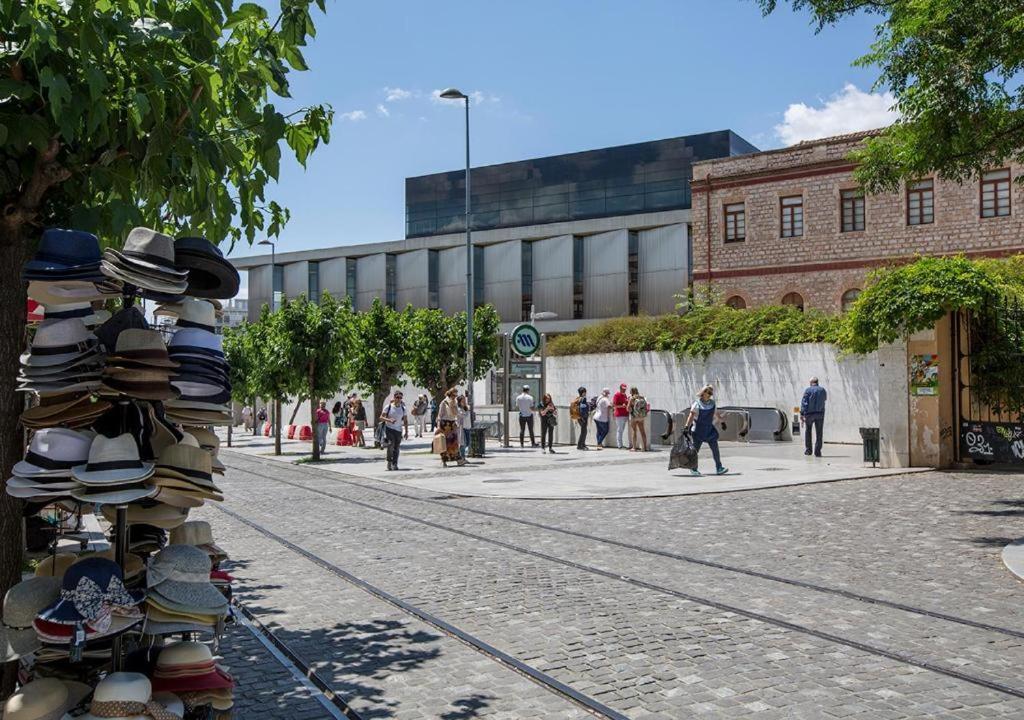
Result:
[{"x": 878, "y": 597}]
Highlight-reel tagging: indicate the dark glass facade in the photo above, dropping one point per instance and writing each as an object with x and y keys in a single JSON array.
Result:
[
  {"x": 314, "y": 281},
  {"x": 527, "y": 279},
  {"x": 645, "y": 177},
  {"x": 390, "y": 280},
  {"x": 350, "y": 278}
]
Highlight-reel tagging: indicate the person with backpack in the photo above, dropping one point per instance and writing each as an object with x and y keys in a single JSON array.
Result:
[
  {"x": 394, "y": 419},
  {"x": 603, "y": 416},
  {"x": 579, "y": 412},
  {"x": 702, "y": 418},
  {"x": 638, "y": 409},
  {"x": 548, "y": 420}
]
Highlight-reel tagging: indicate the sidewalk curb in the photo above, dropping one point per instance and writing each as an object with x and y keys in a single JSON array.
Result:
[{"x": 1013, "y": 558}]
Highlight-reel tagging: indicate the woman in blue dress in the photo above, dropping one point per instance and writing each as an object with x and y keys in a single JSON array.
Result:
[{"x": 701, "y": 421}]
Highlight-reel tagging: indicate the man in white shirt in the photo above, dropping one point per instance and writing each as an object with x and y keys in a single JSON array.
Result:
[
  {"x": 525, "y": 403},
  {"x": 395, "y": 418}
]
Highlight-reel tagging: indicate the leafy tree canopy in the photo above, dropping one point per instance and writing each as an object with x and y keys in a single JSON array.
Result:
[
  {"x": 241, "y": 353},
  {"x": 436, "y": 357},
  {"x": 375, "y": 346},
  {"x": 160, "y": 113},
  {"x": 954, "y": 67}
]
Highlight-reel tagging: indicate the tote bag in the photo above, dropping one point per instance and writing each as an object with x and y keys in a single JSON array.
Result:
[{"x": 439, "y": 445}]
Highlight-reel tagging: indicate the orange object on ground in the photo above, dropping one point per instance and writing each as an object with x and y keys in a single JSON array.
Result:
[
  {"x": 291, "y": 432},
  {"x": 266, "y": 429},
  {"x": 344, "y": 436},
  {"x": 305, "y": 433}
]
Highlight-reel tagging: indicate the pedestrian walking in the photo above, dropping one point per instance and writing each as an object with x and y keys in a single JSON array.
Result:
[
  {"x": 395, "y": 420},
  {"x": 579, "y": 412},
  {"x": 525, "y": 403},
  {"x": 323, "y": 426},
  {"x": 247, "y": 417},
  {"x": 463, "y": 425},
  {"x": 261, "y": 416},
  {"x": 812, "y": 415},
  {"x": 638, "y": 410},
  {"x": 620, "y": 407},
  {"x": 603, "y": 416},
  {"x": 701, "y": 421},
  {"x": 420, "y": 408},
  {"x": 358, "y": 413},
  {"x": 548, "y": 420},
  {"x": 448, "y": 427},
  {"x": 336, "y": 414}
]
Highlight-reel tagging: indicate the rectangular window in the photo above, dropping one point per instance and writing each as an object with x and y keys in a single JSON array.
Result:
[
  {"x": 350, "y": 278},
  {"x": 735, "y": 222},
  {"x": 792, "y": 216},
  {"x": 478, "y": 276},
  {"x": 995, "y": 193},
  {"x": 921, "y": 202},
  {"x": 577, "y": 277},
  {"x": 390, "y": 280},
  {"x": 278, "y": 288},
  {"x": 851, "y": 206},
  {"x": 433, "y": 279},
  {"x": 634, "y": 273},
  {"x": 527, "y": 279},
  {"x": 314, "y": 281}
]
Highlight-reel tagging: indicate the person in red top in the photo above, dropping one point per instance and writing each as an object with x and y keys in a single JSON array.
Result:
[
  {"x": 323, "y": 426},
  {"x": 620, "y": 404}
]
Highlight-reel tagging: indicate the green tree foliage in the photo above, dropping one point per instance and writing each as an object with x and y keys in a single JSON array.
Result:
[
  {"x": 241, "y": 354},
  {"x": 313, "y": 335},
  {"x": 954, "y": 67},
  {"x": 375, "y": 347},
  {"x": 700, "y": 331},
  {"x": 115, "y": 114},
  {"x": 273, "y": 376},
  {"x": 436, "y": 356}
]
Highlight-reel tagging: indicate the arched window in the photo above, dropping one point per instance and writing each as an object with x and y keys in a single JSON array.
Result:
[
  {"x": 794, "y": 299},
  {"x": 736, "y": 302},
  {"x": 849, "y": 297}
]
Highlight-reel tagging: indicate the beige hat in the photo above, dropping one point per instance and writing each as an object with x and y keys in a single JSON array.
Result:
[
  {"x": 161, "y": 516},
  {"x": 126, "y": 695},
  {"x": 143, "y": 347},
  {"x": 44, "y": 699},
  {"x": 200, "y": 534},
  {"x": 191, "y": 312},
  {"x": 55, "y": 565},
  {"x": 209, "y": 441}
]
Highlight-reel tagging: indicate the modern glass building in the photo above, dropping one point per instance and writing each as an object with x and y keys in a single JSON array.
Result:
[
  {"x": 643, "y": 177},
  {"x": 583, "y": 237}
]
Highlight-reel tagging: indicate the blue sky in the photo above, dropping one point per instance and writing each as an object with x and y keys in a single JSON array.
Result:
[{"x": 550, "y": 77}]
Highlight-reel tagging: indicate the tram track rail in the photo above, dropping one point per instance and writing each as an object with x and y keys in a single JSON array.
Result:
[
  {"x": 656, "y": 552},
  {"x": 894, "y": 655}
]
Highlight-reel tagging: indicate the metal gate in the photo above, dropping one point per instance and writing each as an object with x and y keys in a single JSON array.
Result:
[{"x": 989, "y": 379}]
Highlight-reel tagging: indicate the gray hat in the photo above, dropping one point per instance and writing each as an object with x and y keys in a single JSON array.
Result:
[
  {"x": 44, "y": 699},
  {"x": 21, "y": 605},
  {"x": 181, "y": 574}
]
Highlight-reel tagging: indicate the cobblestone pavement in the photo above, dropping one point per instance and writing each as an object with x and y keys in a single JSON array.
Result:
[{"x": 688, "y": 640}]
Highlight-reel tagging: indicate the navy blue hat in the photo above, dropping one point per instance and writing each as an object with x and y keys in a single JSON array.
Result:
[
  {"x": 90, "y": 589},
  {"x": 209, "y": 274},
  {"x": 63, "y": 252}
]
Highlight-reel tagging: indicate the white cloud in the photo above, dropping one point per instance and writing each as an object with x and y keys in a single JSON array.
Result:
[
  {"x": 353, "y": 116},
  {"x": 847, "y": 111},
  {"x": 394, "y": 94},
  {"x": 381, "y": 110}
]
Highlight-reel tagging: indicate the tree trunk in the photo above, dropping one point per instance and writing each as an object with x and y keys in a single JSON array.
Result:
[
  {"x": 255, "y": 423},
  {"x": 312, "y": 415},
  {"x": 380, "y": 395},
  {"x": 12, "y": 339},
  {"x": 277, "y": 427}
]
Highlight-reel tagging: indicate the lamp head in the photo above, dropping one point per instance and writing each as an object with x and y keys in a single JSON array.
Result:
[{"x": 453, "y": 94}]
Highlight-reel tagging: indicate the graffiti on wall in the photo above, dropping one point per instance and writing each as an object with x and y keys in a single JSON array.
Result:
[{"x": 992, "y": 442}]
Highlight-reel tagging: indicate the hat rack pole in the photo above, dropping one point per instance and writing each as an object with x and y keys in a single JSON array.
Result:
[{"x": 120, "y": 550}]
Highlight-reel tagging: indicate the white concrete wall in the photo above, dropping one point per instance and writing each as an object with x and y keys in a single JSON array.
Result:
[{"x": 760, "y": 376}]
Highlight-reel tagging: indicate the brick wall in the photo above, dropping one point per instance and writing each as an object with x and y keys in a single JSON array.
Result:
[{"x": 824, "y": 263}]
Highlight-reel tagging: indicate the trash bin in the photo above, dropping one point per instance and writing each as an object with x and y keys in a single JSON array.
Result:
[
  {"x": 477, "y": 440},
  {"x": 871, "y": 445}
]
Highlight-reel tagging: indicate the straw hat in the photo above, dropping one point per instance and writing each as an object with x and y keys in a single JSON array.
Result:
[
  {"x": 53, "y": 452},
  {"x": 146, "y": 261},
  {"x": 129, "y": 696},
  {"x": 164, "y": 516},
  {"x": 189, "y": 667},
  {"x": 21, "y": 605},
  {"x": 191, "y": 312},
  {"x": 181, "y": 574},
  {"x": 209, "y": 441},
  {"x": 68, "y": 291},
  {"x": 141, "y": 348},
  {"x": 112, "y": 461},
  {"x": 200, "y": 534},
  {"x": 57, "y": 342},
  {"x": 74, "y": 409},
  {"x": 54, "y": 566},
  {"x": 44, "y": 699}
]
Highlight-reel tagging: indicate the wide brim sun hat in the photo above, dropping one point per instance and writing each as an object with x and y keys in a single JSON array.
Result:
[
  {"x": 17, "y": 643},
  {"x": 45, "y": 699},
  {"x": 113, "y": 461},
  {"x": 67, "y": 291},
  {"x": 119, "y": 624}
]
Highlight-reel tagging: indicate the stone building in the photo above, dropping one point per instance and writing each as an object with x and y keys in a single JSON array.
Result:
[{"x": 789, "y": 226}]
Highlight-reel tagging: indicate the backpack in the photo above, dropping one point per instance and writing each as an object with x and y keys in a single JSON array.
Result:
[
  {"x": 593, "y": 403},
  {"x": 640, "y": 408},
  {"x": 574, "y": 409}
]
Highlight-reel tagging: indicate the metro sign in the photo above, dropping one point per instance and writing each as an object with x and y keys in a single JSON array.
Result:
[{"x": 525, "y": 339}]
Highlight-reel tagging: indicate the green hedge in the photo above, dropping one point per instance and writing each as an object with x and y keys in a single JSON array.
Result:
[{"x": 701, "y": 331}]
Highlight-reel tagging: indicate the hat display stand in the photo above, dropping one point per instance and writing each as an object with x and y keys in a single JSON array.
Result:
[{"x": 149, "y": 600}]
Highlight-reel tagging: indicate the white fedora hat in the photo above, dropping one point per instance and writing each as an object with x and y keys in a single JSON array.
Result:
[
  {"x": 129, "y": 696},
  {"x": 59, "y": 341},
  {"x": 112, "y": 461},
  {"x": 81, "y": 310},
  {"x": 53, "y": 452},
  {"x": 69, "y": 291},
  {"x": 191, "y": 312}
]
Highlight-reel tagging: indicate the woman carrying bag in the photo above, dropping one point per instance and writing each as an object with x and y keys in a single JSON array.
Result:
[
  {"x": 702, "y": 417},
  {"x": 448, "y": 429}
]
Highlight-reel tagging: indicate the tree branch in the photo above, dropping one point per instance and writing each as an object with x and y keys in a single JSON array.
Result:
[
  {"x": 196, "y": 92},
  {"x": 46, "y": 173}
]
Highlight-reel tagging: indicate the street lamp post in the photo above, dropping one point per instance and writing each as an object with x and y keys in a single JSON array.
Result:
[
  {"x": 454, "y": 94},
  {"x": 273, "y": 271}
]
